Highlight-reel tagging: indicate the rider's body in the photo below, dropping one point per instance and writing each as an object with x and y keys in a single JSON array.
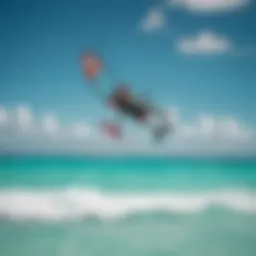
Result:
[{"x": 126, "y": 103}]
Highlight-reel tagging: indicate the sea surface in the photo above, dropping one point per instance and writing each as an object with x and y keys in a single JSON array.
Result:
[{"x": 125, "y": 206}]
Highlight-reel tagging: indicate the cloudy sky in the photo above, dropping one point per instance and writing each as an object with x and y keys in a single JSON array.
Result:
[{"x": 196, "y": 58}]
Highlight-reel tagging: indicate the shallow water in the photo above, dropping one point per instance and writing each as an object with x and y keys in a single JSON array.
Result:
[{"x": 127, "y": 206}]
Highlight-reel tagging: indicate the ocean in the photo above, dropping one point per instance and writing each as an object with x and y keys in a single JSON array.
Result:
[{"x": 125, "y": 206}]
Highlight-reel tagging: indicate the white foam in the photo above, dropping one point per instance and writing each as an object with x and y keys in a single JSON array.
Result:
[{"x": 74, "y": 203}]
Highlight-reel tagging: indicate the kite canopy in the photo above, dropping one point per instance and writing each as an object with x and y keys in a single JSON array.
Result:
[{"x": 91, "y": 65}]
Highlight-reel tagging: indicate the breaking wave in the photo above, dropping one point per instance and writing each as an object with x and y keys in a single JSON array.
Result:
[{"x": 18, "y": 204}]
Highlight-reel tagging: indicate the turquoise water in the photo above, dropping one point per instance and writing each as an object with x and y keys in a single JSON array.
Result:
[{"x": 127, "y": 206}]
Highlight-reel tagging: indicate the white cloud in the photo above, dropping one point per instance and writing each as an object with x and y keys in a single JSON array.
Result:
[
  {"x": 24, "y": 117},
  {"x": 207, "y": 126},
  {"x": 231, "y": 129},
  {"x": 217, "y": 129},
  {"x": 80, "y": 131},
  {"x": 154, "y": 20},
  {"x": 174, "y": 116},
  {"x": 208, "y": 6},
  {"x": 205, "y": 42},
  {"x": 3, "y": 116},
  {"x": 50, "y": 125},
  {"x": 203, "y": 132}
]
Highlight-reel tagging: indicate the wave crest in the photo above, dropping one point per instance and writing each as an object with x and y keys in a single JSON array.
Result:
[{"x": 76, "y": 203}]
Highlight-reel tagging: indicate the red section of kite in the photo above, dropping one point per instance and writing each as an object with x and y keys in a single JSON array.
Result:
[{"x": 91, "y": 65}]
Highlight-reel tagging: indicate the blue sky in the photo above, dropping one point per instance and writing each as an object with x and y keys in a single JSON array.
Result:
[{"x": 194, "y": 55}]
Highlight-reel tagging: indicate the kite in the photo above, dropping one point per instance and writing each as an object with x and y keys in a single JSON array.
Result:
[{"x": 124, "y": 103}]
